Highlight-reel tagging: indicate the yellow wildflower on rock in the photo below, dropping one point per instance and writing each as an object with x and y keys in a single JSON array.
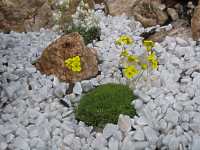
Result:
[
  {"x": 130, "y": 72},
  {"x": 124, "y": 40},
  {"x": 76, "y": 59},
  {"x": 148, "y": 44},
  {"x": 76, "y": 67},
  {"x": 133, "y": 58},
  {"x": 73, "y": 64}
]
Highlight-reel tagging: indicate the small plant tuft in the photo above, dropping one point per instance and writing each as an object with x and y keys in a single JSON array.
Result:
[
  {"x": 88, "y": 35},
  {"x": 104, "y": 105}
]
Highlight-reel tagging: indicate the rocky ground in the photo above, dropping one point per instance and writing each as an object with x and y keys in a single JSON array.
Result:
[{"x": 34, "y": 118}]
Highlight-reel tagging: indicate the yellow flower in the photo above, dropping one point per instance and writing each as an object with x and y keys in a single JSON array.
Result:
[
  {"x": 152, "y": 57},
  {"x": 130, "y": 72},
  {"x": 133, "y": 58},
  {"x": 73, "y": 63},
  {"x": 148, "y": 44},
  {"x": 68, "y": 62},
  {"x": 76, "y": 69},
  {"x": 76, "y": 66},
  {"x": 154, "y": 64},
  {"x": 124, "y": 40},
  {"x": 76, "y": 59},
  {"x": 144, "y": 66},
  {"x": 124, "y": 53}
]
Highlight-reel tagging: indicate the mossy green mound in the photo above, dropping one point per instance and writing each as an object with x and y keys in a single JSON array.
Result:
[{"x": 104, "y": 105}]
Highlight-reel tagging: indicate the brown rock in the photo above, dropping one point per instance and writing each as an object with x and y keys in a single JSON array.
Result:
[
  {"x": 99, "y": 1},
  {"x": 170, "y": 3},
  {"x": 67, "y": 46},
  {"x": 24, "y": 15},
  {"x": 150, "y": 13},
  {"x": 43, "y": 18},
  {"x": 91, "y": 3},
  {"x": 172, "y": 13},
  {"x": 195, "y": 23},
  {"x": 118, "y": 7},
  {"x": 180, "y": 29}
]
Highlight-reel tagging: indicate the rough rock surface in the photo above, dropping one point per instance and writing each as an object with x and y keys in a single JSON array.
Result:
[
  {"x": 170, "y": 3},
  {"x": 24, "y": 15},
  {"x": 195, "y": 24},
  {"x": 99, "y": 1},
  {"x": 149, "y": 13},
  {"x": 118, "y": 7},
  {"x": 172, "y": 13},
  {"x": 67, "y": 46}
]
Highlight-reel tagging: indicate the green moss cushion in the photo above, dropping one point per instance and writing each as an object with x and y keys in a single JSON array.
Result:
[{"x": 104, "y": 105}]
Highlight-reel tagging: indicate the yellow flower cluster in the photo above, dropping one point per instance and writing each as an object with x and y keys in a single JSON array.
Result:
[
  {"x": 73, "y": 63},
  {"x": 124, "y": 40},
  {"x": 130, "y": 72},
  {"x": 133, "y": 64},
  {"x": 148, "y": 44},
  {"x": 152, "y": 59}
]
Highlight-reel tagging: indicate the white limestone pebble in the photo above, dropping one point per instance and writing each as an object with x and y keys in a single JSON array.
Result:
[
  {"x": 172, "y": 116},
  {"x": 151, "y": 134},
  {"x": 124, "y": 123},
  {"x": 3, "y": 145},
  {"x": 20, "y": 143},
  {"x": 139, "y": 135},
  {"x": 77, "y": 88}
]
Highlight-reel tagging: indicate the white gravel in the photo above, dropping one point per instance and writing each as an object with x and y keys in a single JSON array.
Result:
[{"x": 34, "y": 119}]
